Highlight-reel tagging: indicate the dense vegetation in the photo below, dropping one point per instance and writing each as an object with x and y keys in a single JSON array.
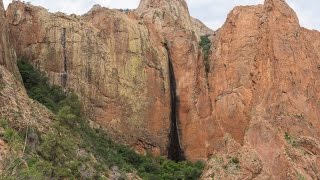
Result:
[
  {"x": 205, "y": 44},
  {"x": 73, "y": 150}
]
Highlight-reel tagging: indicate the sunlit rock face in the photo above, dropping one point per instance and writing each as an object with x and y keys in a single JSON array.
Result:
[
  {"x": 106, "y": 57},
  {"x": 264, "y": 85},
  {"x": 171, "y": 19},
  {"x": 117, "y": 64}
]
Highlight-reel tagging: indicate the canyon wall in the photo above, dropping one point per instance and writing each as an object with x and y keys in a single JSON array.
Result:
[
  {"x": 15, "y": 105},
  {"x": 106, "y": 57},
  {"x": 172, "y": 20},
  {"x": 264, "y": 83},
  {"x": 118, "y": 62},
  {"x": 141, "y": 74}
]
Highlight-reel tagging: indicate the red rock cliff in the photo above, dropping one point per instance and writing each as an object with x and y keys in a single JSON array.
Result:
[
  {"x": 107, "y": 58},
  {"x": 254, "y": 113},
  {"x": 119, "y": 64},
  {"x": 171, "y": 19},
  {"x": 264, "y": 85}
]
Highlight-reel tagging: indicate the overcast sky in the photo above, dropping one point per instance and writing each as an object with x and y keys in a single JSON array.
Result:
[{"x": 212, "y": 12}]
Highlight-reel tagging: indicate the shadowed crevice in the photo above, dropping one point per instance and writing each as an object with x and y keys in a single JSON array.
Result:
[
  {"x": 175, "y": 151},
  {"x": 64, "y": 75}
]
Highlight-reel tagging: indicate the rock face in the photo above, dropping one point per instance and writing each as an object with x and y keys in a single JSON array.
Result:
[
  {"x": 254, "y": 112},
  {"x": 264, "y": 83},
  {"x": 7, "y": 54},
  {"x": 15, "y": 105},
  {"x": 193, "y": 106},
  {"x": 107, "y": 58},
  {"x": 119, "y": 65}
]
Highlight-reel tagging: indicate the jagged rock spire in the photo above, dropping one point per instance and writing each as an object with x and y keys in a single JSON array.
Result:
[
  {"x": 177, "y": 8},
  {"x": 174, "y": 12}
]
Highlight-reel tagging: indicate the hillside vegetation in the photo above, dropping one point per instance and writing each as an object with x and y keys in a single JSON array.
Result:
[{"x": 73, "y": 150}]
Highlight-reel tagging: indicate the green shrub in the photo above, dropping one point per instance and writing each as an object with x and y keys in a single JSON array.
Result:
[
  {"x": 10, "y": 136},
  {"x": 300, "y": 177},
  {"x": 73, "y": 102},
  {"x": 291, "y": 140},
  {"x": 235, "y": 160},
  {"x": 66, "y": 115},
  {"x": 205, "y": 44}
]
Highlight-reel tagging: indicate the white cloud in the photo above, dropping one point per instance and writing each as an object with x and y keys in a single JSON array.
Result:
[{"x": 212, "y": 12}]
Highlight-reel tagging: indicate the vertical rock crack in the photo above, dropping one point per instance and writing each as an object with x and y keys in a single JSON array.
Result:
[
  {"x": 175, "y": 151},
  {"x": 64, "y": 75}
]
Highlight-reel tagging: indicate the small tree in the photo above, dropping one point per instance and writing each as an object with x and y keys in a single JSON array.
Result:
[
  {"x": 66, "y": 115},
  {"x": 205, "y": 44},
  {"x": 60, "y": 150}
]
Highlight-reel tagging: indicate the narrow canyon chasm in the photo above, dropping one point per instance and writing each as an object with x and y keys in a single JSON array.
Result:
[{"x": 175, "y": 152}]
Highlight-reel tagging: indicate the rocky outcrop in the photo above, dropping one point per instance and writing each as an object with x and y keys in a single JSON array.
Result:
[
  {"x": 7, "y": 53},
  {"x": 17, "y": 108},
  {"x": 200, "y": 28},
  {"x": 265, "y": 94}
]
